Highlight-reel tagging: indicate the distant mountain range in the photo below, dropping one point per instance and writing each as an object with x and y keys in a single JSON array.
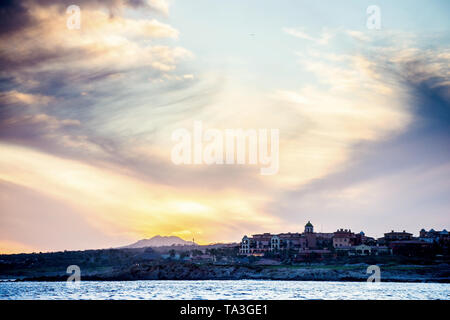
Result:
[{"x": 159, "y": 241}]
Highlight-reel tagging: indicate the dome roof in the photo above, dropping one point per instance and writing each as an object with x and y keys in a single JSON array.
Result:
[{"x": 308, "y": 224}]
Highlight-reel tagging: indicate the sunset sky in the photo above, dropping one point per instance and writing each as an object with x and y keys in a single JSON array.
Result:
[{"x": 86, "y": 118}]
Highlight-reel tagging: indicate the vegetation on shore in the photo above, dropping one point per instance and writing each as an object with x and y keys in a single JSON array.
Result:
[{"x": 197, "y": 263}]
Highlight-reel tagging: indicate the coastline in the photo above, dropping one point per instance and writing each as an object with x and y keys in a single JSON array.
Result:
[{"x": 183, "y": 271}]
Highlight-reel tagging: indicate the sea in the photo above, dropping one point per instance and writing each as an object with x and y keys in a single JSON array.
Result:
[{"x": 222, "y": 289}]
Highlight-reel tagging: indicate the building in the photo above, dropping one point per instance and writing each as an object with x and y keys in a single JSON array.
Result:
[
  {"x": 343, "y": 250},
  {"x": 245, "y": 246},
  {"x": 433, "y": 236},
  {"x": 309, "y": 228},
  {"x": 366, "y": 250},
  {"x": 311, "y": 238},
  {"x": 324, "y": 240},
  {"x": 410, "y": 248},
  {"x": 292, "y": 241},
  {"x": 344, "y": 238},
  {"x": 381, "y": 250},
  {"x": 397, "y": 236},
  {"x": 310, "y": 254},
  {"x": 309, "y": 244},
  {"x": 361, "y": 238},
  {"x": 267, "y": 242},
  {"x": 261, "y": 242},
  {"x": 361, "y": 250},
  {"x": 275, "y": 242},
  {"x": 317, "y": 240}
]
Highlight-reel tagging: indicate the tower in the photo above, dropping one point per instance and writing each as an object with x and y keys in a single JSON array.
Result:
[{"x": 309, "y": 227}]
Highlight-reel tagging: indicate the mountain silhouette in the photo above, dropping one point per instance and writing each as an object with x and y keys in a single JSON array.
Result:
[{"x": 159, "y": 241}]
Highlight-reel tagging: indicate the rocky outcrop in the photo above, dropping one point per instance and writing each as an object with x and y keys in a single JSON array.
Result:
[{"x": 189, "y": 271}]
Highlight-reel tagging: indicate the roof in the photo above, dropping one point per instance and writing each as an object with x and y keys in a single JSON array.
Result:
[
  {"x": 343, "y": 235},
  {"x": 309, "y": 224},
  {"x": 399, "y": 232}
]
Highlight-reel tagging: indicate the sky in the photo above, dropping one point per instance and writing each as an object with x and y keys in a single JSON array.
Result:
[{"x": 87, "y": 115}]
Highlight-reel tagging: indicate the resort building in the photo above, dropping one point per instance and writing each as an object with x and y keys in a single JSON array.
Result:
[
  {"x": 433, "y": 236},
  {"x": 344, "y": 238},
  {"x": 245, "y": 245},
  {"x": 365, "y": 250},
  {"x": 267, "y": 242},
  {"x": 308, "y": 244},
  {"x": 395, "y": 236}
]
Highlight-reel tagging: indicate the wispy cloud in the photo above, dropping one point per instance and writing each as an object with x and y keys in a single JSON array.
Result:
[
  {"x": 391, "y": 152},
  {"x": 321, "y": 39}
]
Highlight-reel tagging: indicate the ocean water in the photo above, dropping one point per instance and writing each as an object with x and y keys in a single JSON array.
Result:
[{"x": 233, "y": 289}]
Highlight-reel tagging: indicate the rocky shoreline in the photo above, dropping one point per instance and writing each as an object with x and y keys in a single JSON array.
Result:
[{"x": 185, "y": 271}]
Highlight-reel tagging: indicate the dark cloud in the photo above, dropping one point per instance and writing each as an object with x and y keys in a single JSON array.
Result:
[
  {"x": 430, "y": 94},
  {"x": 91, "y": 95},
  {"x": 14, "y": 17},
  {"x": 96, "y": 97}
]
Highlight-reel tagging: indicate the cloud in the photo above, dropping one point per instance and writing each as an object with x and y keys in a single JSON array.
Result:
[
  {"x": 351, "y": 99},
  {"x": 14, "y": 98},
  {"x": 359, "y": 35},
  {"x": 394, "y": 169},
  {"x": 114, "y": 203},
  {"x": 86, "y": 118},
  {"x": 16, "y": 16},
  {"x": 323, "y": 39},
  {"x": 51, "y": 76}
]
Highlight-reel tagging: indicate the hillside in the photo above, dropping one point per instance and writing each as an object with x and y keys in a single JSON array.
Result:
[{"x": 160, "y": 241}]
